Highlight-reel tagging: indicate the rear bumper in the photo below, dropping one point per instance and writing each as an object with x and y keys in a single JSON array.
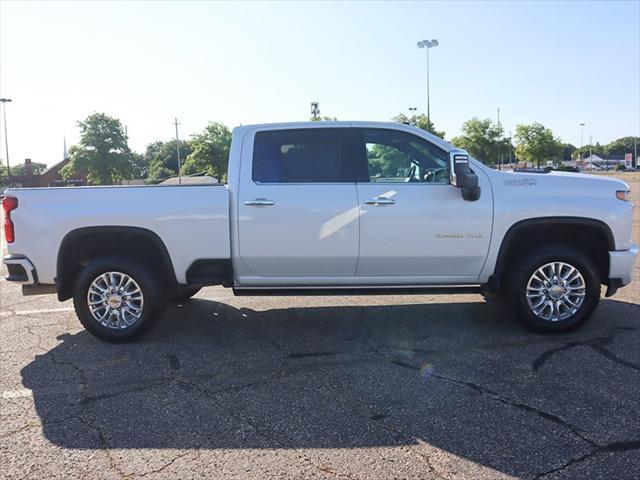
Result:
[
  {"x": 20, "y": 269},
  {"x": 621, "y": 265}
]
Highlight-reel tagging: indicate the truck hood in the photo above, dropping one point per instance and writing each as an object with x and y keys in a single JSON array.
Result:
[{"x": 584, "y": 183}]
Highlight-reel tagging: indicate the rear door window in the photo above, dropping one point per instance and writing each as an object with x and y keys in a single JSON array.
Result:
[{"x": 311, "y": 155}]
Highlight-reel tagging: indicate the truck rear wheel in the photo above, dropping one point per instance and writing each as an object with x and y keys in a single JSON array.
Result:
[
  {"x": 555, "y": 288},
  {"x": 117, "y": 299}
]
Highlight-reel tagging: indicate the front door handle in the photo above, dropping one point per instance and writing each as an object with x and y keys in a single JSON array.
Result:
[
  {"x": 259, "y": 202},
  {"x": 380, "y": 201}
]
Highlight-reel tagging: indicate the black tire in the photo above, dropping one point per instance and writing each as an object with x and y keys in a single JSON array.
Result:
[
  {"x": 184, "y": 293},
  {"x": 152, "y": 289},
  {"x": 539, "y": 257}
]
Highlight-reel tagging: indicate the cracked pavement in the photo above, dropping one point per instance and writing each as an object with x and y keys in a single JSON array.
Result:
[{"x": 430, "y": 387}]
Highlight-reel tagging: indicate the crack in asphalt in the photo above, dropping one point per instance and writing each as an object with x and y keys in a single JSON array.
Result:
[
  {"x": 394, "y": 432},
  {"x": 106, "y": 448},
  {"x": 261, "y": 431},
  {"x": 597, "y": 344},
  {"x": 82, "y": 384},
  {"x": 624, "y": 446},
  {"x": 496, "y": 397},
  {"x": 522, "y": 406},
  {"x": 39, "y": 339},
  {"x": 163, "y": 467}
]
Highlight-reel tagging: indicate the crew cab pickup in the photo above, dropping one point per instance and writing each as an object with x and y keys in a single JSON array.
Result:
[{"x": 341, "y": 207}]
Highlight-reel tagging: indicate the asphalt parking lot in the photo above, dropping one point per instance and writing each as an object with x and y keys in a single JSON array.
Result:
[{"x": 321, "y": 387}]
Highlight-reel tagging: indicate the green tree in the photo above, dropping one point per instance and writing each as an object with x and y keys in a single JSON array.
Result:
[
  {"x": 621, "y": 146},
  {"x": 324, "y": 118},
  {"x": 103, "y": 151},
  {"x": 21, "y": 169},
  {"x": 419, "y": 120},
  {"x": 385, "y": 161},
  {"x": 568, "y": 151},
  {"x": 140, "y": 165},
  {"x": 162, "y": 158},
  {"x": 210, "y": 152},
  {"x": 483, "y": 139},
  {"x": 596, "y": 149},
  {"x": 535, "y": 144}
]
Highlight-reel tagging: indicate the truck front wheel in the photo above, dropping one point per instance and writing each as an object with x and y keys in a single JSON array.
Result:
[
  {"x": 555, "y": 288},
  {"x": 117, "y": 299}
]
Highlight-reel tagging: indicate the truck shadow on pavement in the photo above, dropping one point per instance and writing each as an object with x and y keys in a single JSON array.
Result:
[{"x": 465, "y": 378}]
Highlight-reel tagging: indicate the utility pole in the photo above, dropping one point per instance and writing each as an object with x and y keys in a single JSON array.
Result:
[
  {"x": 510, "y": 147},
  {"x": 499, "y": 162},
  {"x": 175, "y": 122},
  {"x": 634, "y": 163},
  {"x": 581, "y": 144},
  {"x": 6, "y": 141}
]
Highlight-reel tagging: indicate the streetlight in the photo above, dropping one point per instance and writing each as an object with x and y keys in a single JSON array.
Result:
[
  {"x": 6, "y": 143},
  {"x": 581, "y": 143},
  {"x": 428, "y": 44}
]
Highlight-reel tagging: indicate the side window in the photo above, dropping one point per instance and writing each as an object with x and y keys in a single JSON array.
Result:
[
  {"x": 291, "y": 156},
  {"x": 395, "y": 157}
]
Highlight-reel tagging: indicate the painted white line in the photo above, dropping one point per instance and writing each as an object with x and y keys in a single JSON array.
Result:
[
  {"x": 33, "y": 312},
  {"x": 22, "y": 393}
]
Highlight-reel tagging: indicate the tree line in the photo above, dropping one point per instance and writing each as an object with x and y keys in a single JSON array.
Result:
[{"x": 104, "y": 154}]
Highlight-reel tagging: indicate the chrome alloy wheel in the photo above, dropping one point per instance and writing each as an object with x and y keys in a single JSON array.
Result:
[
  {"x": 115, "y": 300},
  {"x": 556, "y": 291}
]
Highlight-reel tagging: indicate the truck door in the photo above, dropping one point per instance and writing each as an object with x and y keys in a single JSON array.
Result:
[
  {"x": 298, "y": 208},
  {"x": 413, "y": 223}
]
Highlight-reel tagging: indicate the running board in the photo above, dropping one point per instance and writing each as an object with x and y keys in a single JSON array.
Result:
[{"x": 370, "y": 290}]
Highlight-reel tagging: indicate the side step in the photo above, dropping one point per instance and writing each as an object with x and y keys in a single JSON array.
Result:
[{"x": 341, "y": 291}]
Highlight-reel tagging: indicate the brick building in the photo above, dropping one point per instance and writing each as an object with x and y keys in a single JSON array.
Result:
[{"x": 49, "y": 178}]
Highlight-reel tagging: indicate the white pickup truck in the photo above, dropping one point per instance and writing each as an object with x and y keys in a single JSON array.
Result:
[{"x": 333, "y": 207}]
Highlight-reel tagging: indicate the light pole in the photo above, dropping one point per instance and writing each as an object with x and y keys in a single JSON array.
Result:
[
  {"x": 175, "y": 122},
  {"x": 581, "y": 143},
  {"x": 6, "y": 142},
  {"x": 428, "y": 44}
]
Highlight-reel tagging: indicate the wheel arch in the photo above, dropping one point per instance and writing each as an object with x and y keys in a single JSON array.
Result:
[
  {"x": 592, "y": 236},
  {"x": 80, "y": 245}
]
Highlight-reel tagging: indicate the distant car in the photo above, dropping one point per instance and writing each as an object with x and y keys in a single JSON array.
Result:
[
  {"x": 329, "y": 208},
  {"x": 567, "y": 168}
]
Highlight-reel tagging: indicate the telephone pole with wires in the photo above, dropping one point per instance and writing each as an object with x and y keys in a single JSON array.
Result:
[{"x": 175, "y": 122}]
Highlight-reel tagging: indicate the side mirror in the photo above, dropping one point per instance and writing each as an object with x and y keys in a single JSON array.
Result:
[{"x": 461, "y": 176}]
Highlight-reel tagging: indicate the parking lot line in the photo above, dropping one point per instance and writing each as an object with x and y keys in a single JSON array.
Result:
[
  {"x": 31, "y": 312},
  {"x": 22, "y": 393}
]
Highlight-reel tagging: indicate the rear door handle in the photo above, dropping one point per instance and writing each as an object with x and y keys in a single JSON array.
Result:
[
  {"x": 380, "y": 201},
  {"x": 259, "y": 202}
]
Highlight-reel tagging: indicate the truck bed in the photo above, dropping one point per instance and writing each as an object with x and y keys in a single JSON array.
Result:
[{"x": 191, "y": 220}]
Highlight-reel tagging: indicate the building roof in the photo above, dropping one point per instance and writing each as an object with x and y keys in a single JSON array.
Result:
[{"x": 602, "y": 156}]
